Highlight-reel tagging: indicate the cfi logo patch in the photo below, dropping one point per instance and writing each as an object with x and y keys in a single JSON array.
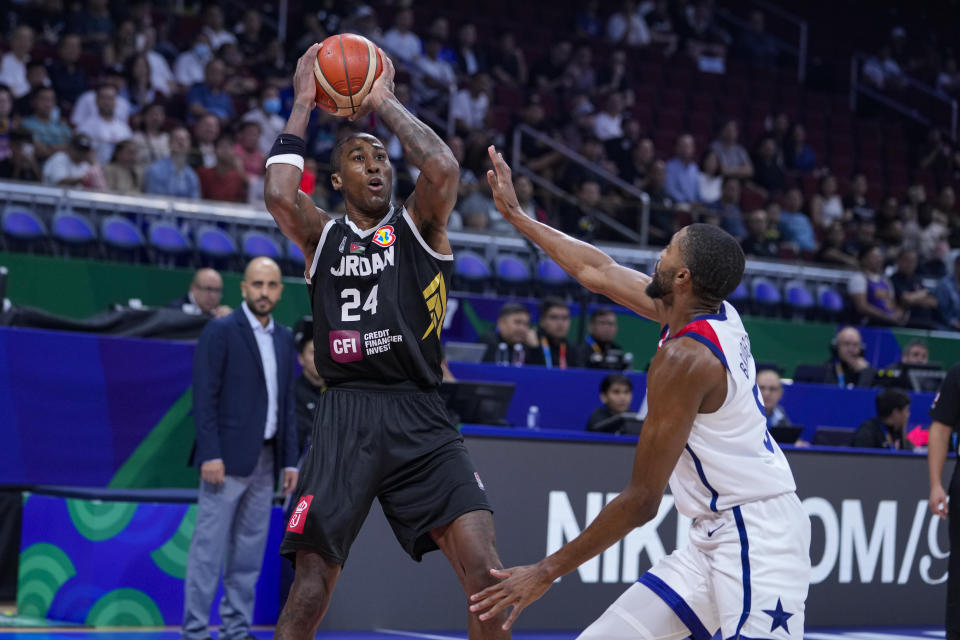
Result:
[
  {"x": 479, "y": 481},
  {"x": 384, "y": 236},
  {"x": 435, "y": 296},
  {"x": 299, "y": 516}
]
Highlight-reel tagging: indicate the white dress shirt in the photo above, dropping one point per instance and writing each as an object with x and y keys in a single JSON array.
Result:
[{"x": 268, "y": 357}]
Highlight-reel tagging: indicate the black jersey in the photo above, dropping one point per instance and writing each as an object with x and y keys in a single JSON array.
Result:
[{"x": 379, "y": 298}]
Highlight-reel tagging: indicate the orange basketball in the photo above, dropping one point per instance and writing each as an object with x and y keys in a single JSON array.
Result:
[{"x": 345, "y": 68}]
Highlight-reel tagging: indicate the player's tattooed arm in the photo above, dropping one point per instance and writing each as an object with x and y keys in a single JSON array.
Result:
[
  {"x": 587, "y": 264},
  {"x": 296, "y": 215}
]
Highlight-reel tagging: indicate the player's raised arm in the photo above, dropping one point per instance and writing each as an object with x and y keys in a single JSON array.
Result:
[
  {"x": 298, "y": 218},
  {"x": 587, "y": 264},
  {"x": 685, "y": 378},
  {"x": 436, "y": 189}
]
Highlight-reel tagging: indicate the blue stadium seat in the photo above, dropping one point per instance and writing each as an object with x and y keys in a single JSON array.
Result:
[
  {"x": 740, "y": 297},
  {"x": 766, "y": 296},
  {"x": 22, "y": 224},
  {"x": 512, "y": 270},
  {"x": 550, "y": 274},
  {"x": 831, "y": 303},
  {"x": 256, "y": 244},
  {"x": 470, "y": 268},
  {"x": 798, "y": 297},
  {"x": 71, "y": 228},
  {"x": 215, "y": 243},
  {"x": 294, "y": 254},
  {"x": 119, "y": 233},
  {"x": 167, "y": 239}
]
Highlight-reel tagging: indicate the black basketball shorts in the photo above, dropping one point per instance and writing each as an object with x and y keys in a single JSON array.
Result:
[{"x": 395, "y": 445}]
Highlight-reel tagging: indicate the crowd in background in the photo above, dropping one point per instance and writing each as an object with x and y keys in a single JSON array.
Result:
[{"x": 129, "y": 97}]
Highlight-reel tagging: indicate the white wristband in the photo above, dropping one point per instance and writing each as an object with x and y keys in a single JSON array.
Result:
[{"x": 286, "y": 158}]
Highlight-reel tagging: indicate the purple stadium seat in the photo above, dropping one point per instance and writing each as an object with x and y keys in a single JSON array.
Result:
[
  {"x": 471, "y": 267},
  {"x": 166, "y": 238},
  {"x": 23, "y": 225},
  {"x": 550, "y": 274},
  {"x": 74, "y": 229},
  {"x": 294, "y": 254},
  {"x": 215, "y": 243},
  {"x": 119, "y": 233},
  {"x": 256, "y": 244},
  {"x": 798, "y": 296},
  {"x": 765, "y": 293},
  {"x": 830, "y": 300},
  {"x": 512, "y": 270}
]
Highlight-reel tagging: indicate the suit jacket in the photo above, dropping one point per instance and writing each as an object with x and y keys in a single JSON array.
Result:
[{"x": 230, "y": 396}]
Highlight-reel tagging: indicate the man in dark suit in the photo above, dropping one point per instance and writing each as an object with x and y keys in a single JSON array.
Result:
[
  {"x": 203, "y": 297},
  {"x": 245, "y": 415}
]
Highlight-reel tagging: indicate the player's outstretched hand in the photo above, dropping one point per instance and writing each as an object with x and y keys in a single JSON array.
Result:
[
  {"x": 381, "y": 90},
  {"x": 938, "y": 502},
  {"x": 519, "y": 588},
  {"x": 304, "y": 80},
  {"x": 501, "y": 184}
]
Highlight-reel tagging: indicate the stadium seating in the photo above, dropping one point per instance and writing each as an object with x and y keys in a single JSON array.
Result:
[{"x": 256, "y": 244}]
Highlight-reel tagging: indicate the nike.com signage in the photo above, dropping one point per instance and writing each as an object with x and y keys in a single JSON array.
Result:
[{"x": 878, "y": 555}]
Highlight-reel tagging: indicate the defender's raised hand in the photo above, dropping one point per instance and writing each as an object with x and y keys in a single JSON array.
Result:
[
  {"x": 501, "y": 184},
  {"x": 381, "y": 90}
]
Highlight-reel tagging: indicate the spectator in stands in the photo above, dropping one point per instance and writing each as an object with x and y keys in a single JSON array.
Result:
[
  {"x": 948, "y": 298},
  {"x": 616, "y": 394},
  {"x": 267, "y": 115},
  {"x": 478, "y": 209},
  {"x": 37, "y": 78},
  {"x": 172, "y": 176},
  {"x": 887, "y": 430},
  {"x": 587, "y": 23},
  {"x": 247, "y": 149},
  {"x": 759, "y": 47},
  {"x": 872, "y": 292},
  {"x": 209, "y": 96},
  {"x": 226, "y": 180},
  {"x": 309, "y": 385},
  {"x": 599, "y": 349},
  {"x": 20, "y": 164},
  {"x": 662, "y": 214},
  {"x": 551, "y": 347},
  {"x": 214, "y": 27},
  {"x": 470, "y": 106},
  {"x": 642, "y": 157},
  {"x": 508, "y": 65},
  {"x": 682, "y": 173},
  {"x": 122, "y": 173},
  {"x": 833, "y": 249},
  {"x": 507, "y": 343},
  {"x": 883, "y": 71},
  {"x": 161, "y": 76},
  {"x": 627, "y": 26},
  {"x": 49, "y": 133},
  {"x": 86, "y": 106},
  {"x": 711, "y": 179},
  {"x": 94, "y": 23},
  {"x": 6, "y": 121},
  {"x": 608, "y": 123},
  {"x": 726, "y": 212},
  {"x": 857, "y": 201},
  {"x": 48, "y": 17},
  {"x": 13, "y": 64},
  {"x": 76, "y": 166},
  {"x": 104, "y": 128},
  {"x": 794, "y": 225},
  {"x": 205, "y": 134},
  {"x": 577, "y": 219},
  {"x": 769, "y": 178},
  {"x": 525, "y": 198},
  {"x": 548, "y": 72},
  {"x": 252, "y": 38},
  {"x": 204, "y": 296},
  {"x": 771, "y": 390},
  {"x": 705, "y": 39},
  {"x": 189, "y": 66},
  {"x": 68, "y": 78},
  {"x": 758, "y": 243},
  {"x": 536, "y": 155},
  {"x": 400, "y": 40},
  {"x": 734, "y": 159},
  {"x": 916, "y": 352},
  {"x": 659, "y": 19},
  {"x": 797, "y": 154},
  {"x": 614, "y": 76},
  {"x": 152, "y": 143},
  {"x": 122, "y": 46},
  {"x": 580, "y": 74},
  {"x": 910, "y": 293},
  {"x": 139, "y": 90},
  {"x": 438, "y": 76},
  {"x": 826, "y": 206},
  {"x": 847, "y": 367},
  {"x": 469, "y": 60},
  {"x": 864, "y": 235}
]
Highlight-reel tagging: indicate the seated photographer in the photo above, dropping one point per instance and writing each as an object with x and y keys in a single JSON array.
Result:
[{"x": 598, "y": 350}]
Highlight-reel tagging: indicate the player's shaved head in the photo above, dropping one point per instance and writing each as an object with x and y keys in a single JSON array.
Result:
[
  {"x": 336, "y": 156},
  {"x": 715, "y": 261}
]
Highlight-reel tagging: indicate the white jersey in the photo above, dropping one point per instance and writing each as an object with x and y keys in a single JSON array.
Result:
[{"x": 730, "y": 458}]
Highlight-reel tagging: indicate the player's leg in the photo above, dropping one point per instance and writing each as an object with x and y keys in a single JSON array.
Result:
[
  {"x": 309, "y": 596},
  {"x": 638, "y": 614},
  {"x": 469, "y": 543},
  {"x": 760, "y": 571}
]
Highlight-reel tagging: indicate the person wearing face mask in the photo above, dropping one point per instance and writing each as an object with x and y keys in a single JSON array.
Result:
[
  {"x": 189, "y": 66},
  {"x": 267, "y": 116}
]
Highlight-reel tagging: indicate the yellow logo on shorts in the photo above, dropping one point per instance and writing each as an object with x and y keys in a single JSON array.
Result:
[{"x": 435, "y": 295}]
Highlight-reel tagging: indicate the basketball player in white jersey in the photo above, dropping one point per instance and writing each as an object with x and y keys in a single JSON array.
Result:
[{"x": 746, "y": 569}]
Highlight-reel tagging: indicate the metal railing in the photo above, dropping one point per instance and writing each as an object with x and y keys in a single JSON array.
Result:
[
  {"x": 640, "y": 238},
  {"x": 900, "y": 102},
  {"x": 797, "y": 50}
]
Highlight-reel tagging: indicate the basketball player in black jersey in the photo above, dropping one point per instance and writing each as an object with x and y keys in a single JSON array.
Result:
[{"x": 378, "y": 284}]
